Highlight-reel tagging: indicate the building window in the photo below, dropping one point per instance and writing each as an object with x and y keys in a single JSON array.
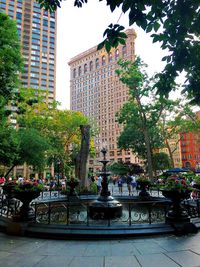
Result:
[
  {"x": 52, "y": 24},
  {"x": 124, "y": 50},
  {"x": 110, "y": 57},
  {"x": 119, "y": 152},
  {"x": 45, "y": 22},
  {"x": 19, "y": 15},
  {"x": 112, "y": 153},
  {"x": 79, "y": 71},
  {"x": 91, "y": 66},
  {"x": 74, "y": 73},
  {"x": 97, "y": 63},
  {"x": 116, "y": 54},
  {"x": 85, "y": 68},
  {"x": 103, "y": 61}
]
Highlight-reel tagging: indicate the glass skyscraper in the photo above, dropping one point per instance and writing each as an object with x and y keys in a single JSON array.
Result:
[{"x": 37, "y": 32}]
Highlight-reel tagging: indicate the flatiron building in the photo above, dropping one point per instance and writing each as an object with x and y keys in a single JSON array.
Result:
[{"x": 97, "y": 92}]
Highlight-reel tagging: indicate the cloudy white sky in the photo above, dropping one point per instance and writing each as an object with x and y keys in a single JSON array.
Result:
[{"x": 82, "y": 28}]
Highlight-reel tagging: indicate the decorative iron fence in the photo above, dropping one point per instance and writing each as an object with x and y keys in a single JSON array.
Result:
[{"x": 75, "y": 211}]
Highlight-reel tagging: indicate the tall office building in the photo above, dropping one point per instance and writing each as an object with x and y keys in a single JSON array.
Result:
[
  {"x": 97, "y": 92},
  {"x": 37, "y": 32}
]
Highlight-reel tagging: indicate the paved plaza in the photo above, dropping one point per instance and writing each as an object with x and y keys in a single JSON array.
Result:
[{"x": 164, "y": 251}]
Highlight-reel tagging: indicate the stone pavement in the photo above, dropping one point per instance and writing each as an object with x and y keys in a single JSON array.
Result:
[{"x": 164, "y": 251}]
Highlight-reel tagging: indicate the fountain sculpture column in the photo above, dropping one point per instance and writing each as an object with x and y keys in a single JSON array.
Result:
[{"x": 105, "y": 207}]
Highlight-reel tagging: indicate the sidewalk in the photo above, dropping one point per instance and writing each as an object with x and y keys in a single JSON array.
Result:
[{"x": 165, "y": 251}]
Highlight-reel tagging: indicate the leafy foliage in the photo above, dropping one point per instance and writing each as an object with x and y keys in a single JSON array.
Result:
[
  {"x": 142, "y": 134},
  {"x": 52, "y": 5},
  {"x": 28, "y": 186},
  {"x": 161, "y": 161},
  {"x": 9, "y": 145},
  {"x": 32, "y": 148},
  {"x": 176, "y": 184},
  {"x": 10, "y": 57},
  {"x": 175, "y": 24},
  {"x": 114, "y": 36},
  {"x": 60, "y": 127},
  {"x": 118, "y": 168}
]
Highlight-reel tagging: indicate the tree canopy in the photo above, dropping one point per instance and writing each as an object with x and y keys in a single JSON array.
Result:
[
  {"x": 10, "y": 58},
  {"x": 141, "y": 114},
  {"x": 175, "y": 24},
  {"x": 60, "y": 127}
]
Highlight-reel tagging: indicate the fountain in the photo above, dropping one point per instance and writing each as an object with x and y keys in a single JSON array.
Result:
[{"x": 105, "y": 207}]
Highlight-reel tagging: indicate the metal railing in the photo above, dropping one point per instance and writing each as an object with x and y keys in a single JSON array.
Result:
[{"x": 75, "y": 212}]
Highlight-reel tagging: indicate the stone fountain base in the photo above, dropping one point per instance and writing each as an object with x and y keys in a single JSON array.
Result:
[{"x": 105, "y": 207}]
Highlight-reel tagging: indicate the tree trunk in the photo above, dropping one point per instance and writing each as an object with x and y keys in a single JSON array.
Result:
[
  {"x": 170, "y": 153},
  {"x": 82, "y": 157},
  {"x": 11, "y": 168},
  {"x": 149, "y": 155}
]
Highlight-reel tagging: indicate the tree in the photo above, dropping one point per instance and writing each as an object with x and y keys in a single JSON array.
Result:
[
  {"x": 22, "y": 146},
  {"x": 60, "y": 127},
  {"x": 133, "y": 138},
  {"x": 119, "y": 168},
  {"x": 161, "y": 162},
  {"x": 10, "y": 58},
  {"x": 32, "y": 149},
  {"x": 9, "y": 146},
  {"x": 141, "y": 113},
  {"x": 175, "y": 24},
  {"x": 82, "y": 157}
]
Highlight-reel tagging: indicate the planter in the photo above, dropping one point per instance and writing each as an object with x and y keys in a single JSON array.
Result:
[
  {"x": 26, "y": 213},
  {"x": 72, "y": 185},
  {"x": 8, "y": 190},
  {"x": 177, "y": 213}
]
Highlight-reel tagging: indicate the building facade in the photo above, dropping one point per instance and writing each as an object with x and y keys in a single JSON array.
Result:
[
  {"x": 175, "y": 147},
  {"x": 185, "y": 149},
  {"x": 190, "y": 150},
  {"x": 97, "y": 92},
  {"x": 37, "y": 33}
]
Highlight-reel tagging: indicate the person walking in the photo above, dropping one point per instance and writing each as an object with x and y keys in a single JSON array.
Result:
[
  {"x": 129, "y": 181},
  {"x": 120, "y": 185},
  {"x": 99, "y": 181},
  {"x": 133, "y": 183}
]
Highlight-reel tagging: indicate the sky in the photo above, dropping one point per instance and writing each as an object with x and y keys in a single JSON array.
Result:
[{"x": 79, "y": 29}]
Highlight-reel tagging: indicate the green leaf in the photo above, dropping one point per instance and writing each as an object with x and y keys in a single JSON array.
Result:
[
  {"x": 149, "y": 28},
  {"x": 156, "y": 26},
  {"x": 122, "y": 35},
  {"x": 122, "y": 41},
  {"x": 101, "y": 45},
  {"x": 107, "y": 46}
]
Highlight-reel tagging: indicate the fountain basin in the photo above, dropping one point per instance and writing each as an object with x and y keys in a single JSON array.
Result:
[{"x": 105, "y": 207}]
